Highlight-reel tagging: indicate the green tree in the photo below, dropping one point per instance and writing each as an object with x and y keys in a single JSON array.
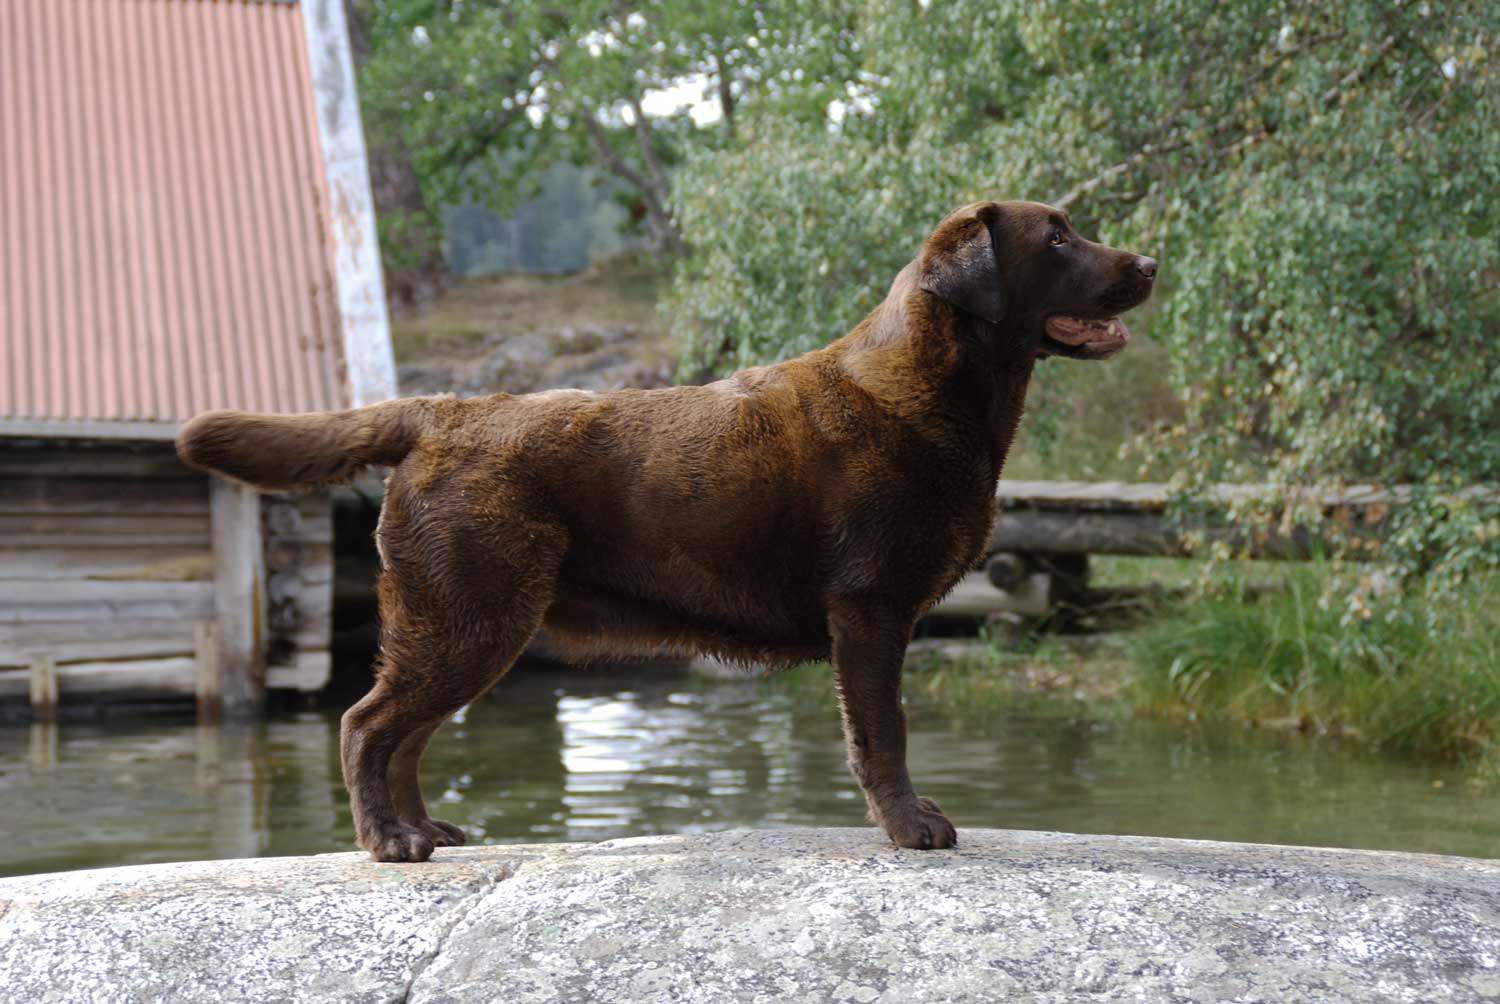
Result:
[
  {"x": 410, "y": 232},
  {"x": 1319, "y": 181},
  {"x": 486, "y": 94}
]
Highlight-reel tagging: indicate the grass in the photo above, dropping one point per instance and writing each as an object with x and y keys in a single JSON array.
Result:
[
  {"x": 618, "y": 291},
  {"x": 1418, "y": 675},
  {"x": 1414, "y": 672},
  {"x": 1111, "y": 570},
  {"x": 971, "y": 680}
]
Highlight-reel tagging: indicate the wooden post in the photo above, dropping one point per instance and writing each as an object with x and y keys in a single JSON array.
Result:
[
  {"x": 239, "y": 597},
  {"x": 43, "y": 689},
  {"x": 975, "y": 596},
  {"x": 209, "y": 689},
  {"x": 1006, "y": 571}
]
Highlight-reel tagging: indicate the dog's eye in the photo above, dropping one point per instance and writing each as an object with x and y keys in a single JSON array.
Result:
[{"x": 1057, "y": 237}]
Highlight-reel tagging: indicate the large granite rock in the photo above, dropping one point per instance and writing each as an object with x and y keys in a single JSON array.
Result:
[{"x": 791, "y": 915}]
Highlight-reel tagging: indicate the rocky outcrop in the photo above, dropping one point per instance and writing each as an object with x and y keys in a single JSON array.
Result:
[
  {"x": 788, "y": 915},
  {"x": 591, "y": 357}
]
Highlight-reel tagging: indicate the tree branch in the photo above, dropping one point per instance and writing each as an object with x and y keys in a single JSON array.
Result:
[
  {"x": 658, "y": 221},
  {"x": 646, "y": 139},
  {"x": 1103, "y": 177},
  {"x": 1355, "y": 75},
  {"x": 726, "y": 92},
  {"x": 1249, "y": 139},
  {"x": 665, "y": 229},
  {"x": 609, "y": 154},
  {"x": 1311, "y": 42}
]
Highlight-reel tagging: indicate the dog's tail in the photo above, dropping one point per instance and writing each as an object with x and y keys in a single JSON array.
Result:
[{"x": 283, "y": 452}]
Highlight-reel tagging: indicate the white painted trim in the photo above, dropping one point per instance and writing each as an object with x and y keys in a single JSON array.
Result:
[
  {"x": 369, "y": 361},
  {"x": 47, "y": 428}
]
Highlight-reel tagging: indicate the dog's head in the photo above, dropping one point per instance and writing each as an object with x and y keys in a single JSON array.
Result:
[{"x": 1022, "y": 266}]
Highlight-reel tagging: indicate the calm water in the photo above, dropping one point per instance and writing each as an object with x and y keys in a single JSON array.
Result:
[{"x": 588, "y": 755}]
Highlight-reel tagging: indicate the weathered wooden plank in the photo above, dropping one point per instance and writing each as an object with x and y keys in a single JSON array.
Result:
[
  {"x": 49, "y": 592},
  {"x": 315, "y": 618},
  {"x": 63, "y": 650},
  {"x": 137, "y": 678},
  {"x": 100, "y": 493},
  {"x": 196, "y": 566},
  {"x": 307, "y": 504},
  {"x": 47, "y": 541},
  {"x": 976, "y": 597},
  {"x": 1141, "y": 534},
  {"x": 36, "y": 634},
  {"x": 302, "y": 525},
  {"x": 313, "y": 503},
  {"x": 239, "y": 598},
  {"x": 315, "y": 529},
  {"x": 120, "y": 528},
  {"x": 280, "y": 517},
  {"x": 185, "y": 564},
  {"x": 1081, "y": 494},
  {"x": 317, "y": 564},
  {"x": 145, "y": 463},
  {"x": 36, "y": 601},
  {"x": 123, "y": 506},
  {"x": 80, "y": 613},
  {"x": 315, "y": 631},
  {"x": 310, "y": 671}
]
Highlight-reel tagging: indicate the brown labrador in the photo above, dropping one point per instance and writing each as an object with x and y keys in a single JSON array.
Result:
[{"x": 810, "y": 509}]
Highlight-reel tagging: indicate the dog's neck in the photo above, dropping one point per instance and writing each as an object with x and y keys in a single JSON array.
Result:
[{"x": 946, "y": 372}]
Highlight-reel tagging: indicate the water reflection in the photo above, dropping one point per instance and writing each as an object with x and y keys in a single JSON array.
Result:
[
  {"x": 585, "y": 755},
  {"x": 95, "y": 793}
]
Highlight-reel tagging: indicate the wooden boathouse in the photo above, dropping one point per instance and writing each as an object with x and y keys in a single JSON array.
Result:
[{"x": 185, "y": 224}]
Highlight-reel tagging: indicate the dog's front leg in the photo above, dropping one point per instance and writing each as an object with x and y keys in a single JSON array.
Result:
[{"x": 868, "y": 648}]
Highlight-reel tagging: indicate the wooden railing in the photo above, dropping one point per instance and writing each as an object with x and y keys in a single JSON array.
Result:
[{"x": 1047, "y": 529}]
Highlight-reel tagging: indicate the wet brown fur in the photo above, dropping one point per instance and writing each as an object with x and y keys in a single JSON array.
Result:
[{"x": 811, "y": 509}]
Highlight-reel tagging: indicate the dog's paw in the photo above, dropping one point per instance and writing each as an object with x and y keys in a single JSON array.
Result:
[
  {"x": 398, "y": 842},
  {"x": 443, "y": 834},
  {"x": 920, "y": 825}
]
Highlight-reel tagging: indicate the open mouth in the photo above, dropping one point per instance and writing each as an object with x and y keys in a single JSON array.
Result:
[{"x": 1075, "y": 336}]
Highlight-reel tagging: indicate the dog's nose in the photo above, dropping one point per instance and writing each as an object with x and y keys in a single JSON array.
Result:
[{"x": 1146, "y": 266}]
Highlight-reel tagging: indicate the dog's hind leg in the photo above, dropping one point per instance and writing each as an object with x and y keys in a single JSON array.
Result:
[
  {"x": 406, "y": 789},
  {"x": 869, "y": 645},
  {"x": 449, "y": 630}
]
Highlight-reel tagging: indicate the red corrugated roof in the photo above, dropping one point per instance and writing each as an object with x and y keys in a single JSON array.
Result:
[{"x": 164, "y": 240}]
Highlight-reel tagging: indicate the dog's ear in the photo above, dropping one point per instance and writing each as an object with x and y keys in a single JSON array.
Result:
[{"x": 958, "y": 262}]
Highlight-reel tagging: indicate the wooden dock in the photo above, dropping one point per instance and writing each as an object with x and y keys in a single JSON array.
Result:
[{"x": 114, "y": 580}]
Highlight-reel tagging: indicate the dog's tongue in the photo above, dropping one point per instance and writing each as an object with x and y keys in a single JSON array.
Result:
[{"x": 1076, "y": 331}]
